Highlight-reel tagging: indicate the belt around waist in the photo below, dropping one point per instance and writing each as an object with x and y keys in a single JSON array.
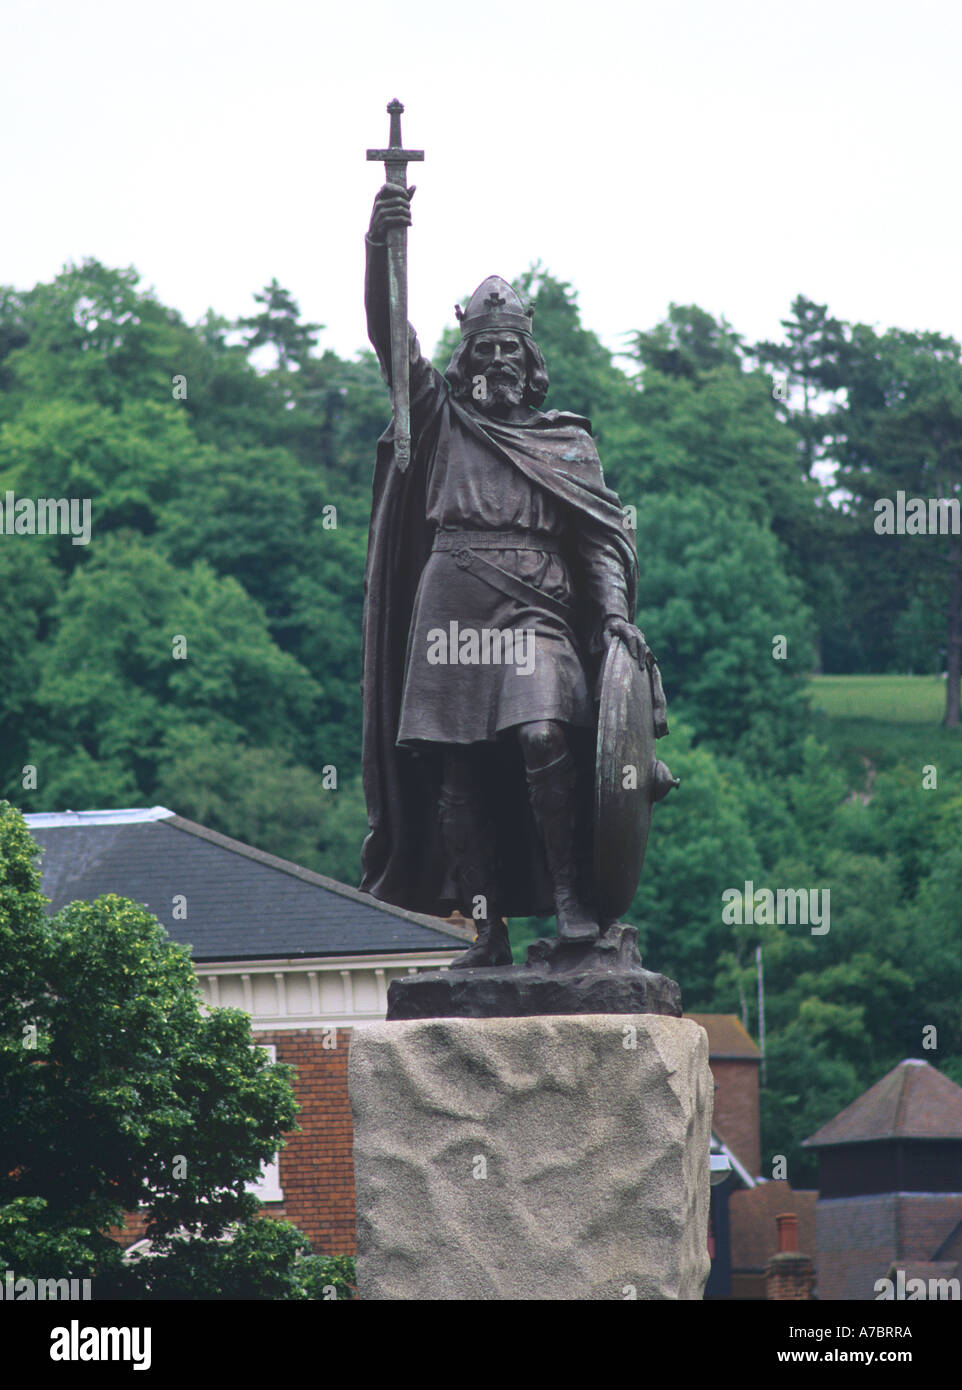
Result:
[{"x": 496, "y": 540}]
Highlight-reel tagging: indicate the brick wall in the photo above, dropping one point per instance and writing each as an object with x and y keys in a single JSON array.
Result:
[
  {"x": 735, "y": 1117},
  {"x": 317, "y": 1164},
  {"x": 133, "y": 1229},
  {"x": 790, "y": 1277}
]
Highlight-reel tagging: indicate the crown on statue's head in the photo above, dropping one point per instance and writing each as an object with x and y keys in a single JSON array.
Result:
[{"x": 494, "y": 307}]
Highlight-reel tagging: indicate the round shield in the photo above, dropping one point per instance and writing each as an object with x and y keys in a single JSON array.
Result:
[{"x": 624, "y": 774}]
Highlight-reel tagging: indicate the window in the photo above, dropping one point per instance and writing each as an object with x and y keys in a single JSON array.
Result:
[{"x": 268, "y": 1186}]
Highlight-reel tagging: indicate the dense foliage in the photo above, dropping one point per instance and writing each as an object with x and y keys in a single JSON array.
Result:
[
  {"x": 120, "y": 1094},
  {"x": 203, "y": 649}
]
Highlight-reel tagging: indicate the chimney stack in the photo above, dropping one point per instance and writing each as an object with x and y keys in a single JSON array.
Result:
[
  {"x": 790, "y": 1275},
  {"x": 787, "y": 1223}
]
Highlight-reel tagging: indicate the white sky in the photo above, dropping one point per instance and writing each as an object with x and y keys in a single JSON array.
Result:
[{"x": 729, "y": 153}]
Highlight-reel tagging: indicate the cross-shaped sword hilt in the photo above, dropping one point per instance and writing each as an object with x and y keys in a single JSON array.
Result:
[{"x": 395, "y": 158}]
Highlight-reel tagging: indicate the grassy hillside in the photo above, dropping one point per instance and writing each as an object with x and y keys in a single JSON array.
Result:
[
  {"x": 878, "y": 721},
  {"x": 893, "y": 699}
]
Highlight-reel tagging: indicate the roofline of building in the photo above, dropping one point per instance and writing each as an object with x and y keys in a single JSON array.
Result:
[
  {"x": 287, "y": 866},
  {"x": 733, "y": 1158},
  {"x": 888, "y": 1137},
  {"x": 853, "y": 1113},
  {"x": 333, "y": 960},
  {"x": 749, "y": 1052},
  {"x": 951, "y": 1236},
  {"x": 391, "y": 959},
  {"x": 49, "y": 819},
  {"x": 43, "y": 820},
  {"x": 884, "y": 1196}
]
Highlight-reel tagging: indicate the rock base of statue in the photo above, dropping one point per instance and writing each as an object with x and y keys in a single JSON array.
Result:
[
  {"x": 559, "y": 977},
  {"x": 532, "y": 1158}
]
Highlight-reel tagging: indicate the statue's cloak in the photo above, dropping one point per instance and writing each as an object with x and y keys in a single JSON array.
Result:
[{"x": 401, "y": 860}]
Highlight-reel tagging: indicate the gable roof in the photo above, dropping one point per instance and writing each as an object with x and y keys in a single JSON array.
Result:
[
  {"x": 727, "y": 1039},
  {"x": 914, "y": 1101},
  {"x": 241, "y": 903}
]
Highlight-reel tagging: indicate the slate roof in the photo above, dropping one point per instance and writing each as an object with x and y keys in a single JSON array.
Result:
[
  {"x": 923, "y": 1269},
  {"x": 951, "y": 1247},
  {"x": 914, "y": 1101},
  {"x": 242, "y": 904}
]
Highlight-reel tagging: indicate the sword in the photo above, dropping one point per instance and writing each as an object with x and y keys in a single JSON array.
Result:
[{"x": 395, "y": 159}]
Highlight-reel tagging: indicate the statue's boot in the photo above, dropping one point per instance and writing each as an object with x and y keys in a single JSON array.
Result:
[
  {"x": 491, "y": 946},
  {"x": 469, "y": 844},
  {"x": 553, "y": 792}
]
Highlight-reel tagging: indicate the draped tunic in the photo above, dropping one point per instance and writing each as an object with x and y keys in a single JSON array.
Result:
[
  {"x": 470, "y": 472},
  {"x": 471, "y": 487}
]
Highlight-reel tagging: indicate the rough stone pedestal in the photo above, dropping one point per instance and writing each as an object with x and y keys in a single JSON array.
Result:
[{"x": 555, "y": 1157}]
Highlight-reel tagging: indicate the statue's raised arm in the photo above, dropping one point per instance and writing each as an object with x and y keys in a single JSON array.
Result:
[
  {"x": 395, "y": 159},
  {"x": 392, "y": 209}
]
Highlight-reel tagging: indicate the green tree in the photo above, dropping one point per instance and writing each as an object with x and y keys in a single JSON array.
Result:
[
  {"x": 700, "y": 845},
  {"x": 13, "y": 335},
  {"x": 257, "y": 795},
  {"x": 706, "y": 418},
  {"x": 811, "y": 360},
  {"x": 119, "y": 1091},
  {"x": 901, "y": 430},
  {"x": 128, "y": 462},
  {"x": 341, "y": 408},
  {"x": 714, "y": 625},
  {"x": 262, "y": 1260},
  {"x": 689, "y": 343},
  {"x": 278, "y": 326},
  {"x": 94, "y": 335},
  {"x": 835, "y": 1004},
  {"x": 934, "y": 948},
  {"x": 28, "y": 582},
  {"x": 142, "y": 648}
]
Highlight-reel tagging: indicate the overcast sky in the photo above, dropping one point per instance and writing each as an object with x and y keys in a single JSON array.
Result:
[{"x": 726, "y": 153}]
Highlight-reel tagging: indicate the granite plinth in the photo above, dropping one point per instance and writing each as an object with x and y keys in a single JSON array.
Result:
[{"x": 532, "y": 1158}]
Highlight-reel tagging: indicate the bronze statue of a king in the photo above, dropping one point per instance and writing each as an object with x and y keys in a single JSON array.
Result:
[{"x": 499, "y": 571}]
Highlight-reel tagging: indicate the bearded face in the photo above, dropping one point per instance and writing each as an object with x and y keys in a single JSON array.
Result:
[{"x": 500, "y": 359}]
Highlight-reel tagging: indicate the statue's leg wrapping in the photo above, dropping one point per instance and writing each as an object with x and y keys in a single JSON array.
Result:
[
  {"x": 553, "y": 790},
  {"x": 469, "y": 843}
]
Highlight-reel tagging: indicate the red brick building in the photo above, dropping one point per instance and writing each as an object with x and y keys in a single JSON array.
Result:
[
  {"x": 308, "y": 958},
  {"x": 890, "y": 1184},
  {"x": 744, "y": 1235}
]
